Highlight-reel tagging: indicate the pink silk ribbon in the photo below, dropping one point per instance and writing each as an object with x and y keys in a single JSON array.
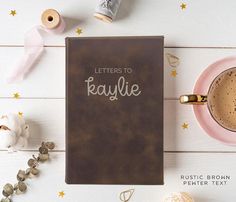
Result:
[{"x": 33, "y": 48}]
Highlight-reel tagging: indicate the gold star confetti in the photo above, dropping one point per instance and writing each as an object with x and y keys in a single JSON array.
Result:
[
  {"x": 20, "y": 114},
  {"x": 13, "y": 12},
  {"x": 173, "y": 73},
  {"x": 78, "y": 31},
  {"x": 61, "y": 194},
  {"x": 16, "y": 95},
  {"x": 185, "y": 125},
  {"x": 183, "y": 6}
]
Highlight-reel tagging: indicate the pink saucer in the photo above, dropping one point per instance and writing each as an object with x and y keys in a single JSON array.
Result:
[{"x": 201, "y": 111}]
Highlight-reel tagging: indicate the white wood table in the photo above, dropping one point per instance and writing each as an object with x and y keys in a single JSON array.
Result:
[{"x": 200, "y": 34}]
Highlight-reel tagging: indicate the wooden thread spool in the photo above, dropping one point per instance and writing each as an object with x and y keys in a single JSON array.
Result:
[
  {"x": 102, "y": 17},
  {"x": 51, "y": 19},
  {"x": 107, "y": 10}
]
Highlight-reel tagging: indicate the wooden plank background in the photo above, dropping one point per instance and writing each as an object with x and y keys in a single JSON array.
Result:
[
  {"x": 199, "y": 35},
  {"x": 51, "y": 179}
]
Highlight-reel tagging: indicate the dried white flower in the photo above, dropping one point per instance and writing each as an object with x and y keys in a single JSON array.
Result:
[{"x": 14, "y": 133}]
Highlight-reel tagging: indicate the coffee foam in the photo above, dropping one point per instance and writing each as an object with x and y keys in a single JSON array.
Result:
[{"x": 222, "y": 99}]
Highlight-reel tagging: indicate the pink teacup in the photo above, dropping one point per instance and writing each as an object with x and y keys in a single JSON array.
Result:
[{"x": 212, "y": 102}]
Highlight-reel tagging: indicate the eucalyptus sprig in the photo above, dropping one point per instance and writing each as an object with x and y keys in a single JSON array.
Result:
[{"x": 20, "y": 187}]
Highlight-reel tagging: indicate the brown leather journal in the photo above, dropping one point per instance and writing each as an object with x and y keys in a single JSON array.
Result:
[{"x": 114, "y": 110}]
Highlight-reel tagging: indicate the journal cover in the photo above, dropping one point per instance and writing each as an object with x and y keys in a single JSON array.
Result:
[{"x": 114, "y": 110}]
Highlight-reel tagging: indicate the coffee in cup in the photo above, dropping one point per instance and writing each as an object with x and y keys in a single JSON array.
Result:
[{"x": 220, "y": 99}]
